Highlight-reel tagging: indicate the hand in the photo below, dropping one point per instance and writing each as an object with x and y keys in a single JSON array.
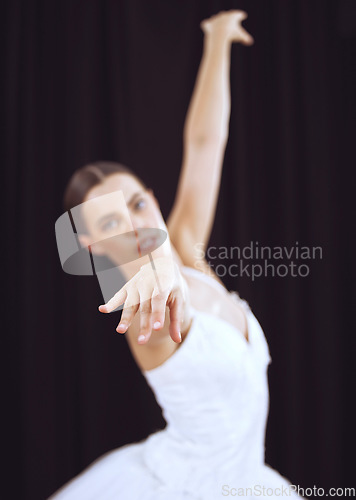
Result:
[
  {"x": 228, "y": 25},
  {"x": 150, "y": 291}
]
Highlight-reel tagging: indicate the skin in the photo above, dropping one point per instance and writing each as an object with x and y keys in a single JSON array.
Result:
[
  {"x": 140, "y": 293},
  {"x": 165, "y": 308},
  {"x": 135, "y": 207}
]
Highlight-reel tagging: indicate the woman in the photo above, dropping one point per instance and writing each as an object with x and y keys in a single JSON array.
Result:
[{"x": 200, "y": 347}]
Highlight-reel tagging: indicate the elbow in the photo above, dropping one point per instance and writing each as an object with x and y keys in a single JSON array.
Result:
[{"x": 202, "y": 139}]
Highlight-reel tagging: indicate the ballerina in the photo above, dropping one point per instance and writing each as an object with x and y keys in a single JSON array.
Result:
[{"x": 198, "y": 345}]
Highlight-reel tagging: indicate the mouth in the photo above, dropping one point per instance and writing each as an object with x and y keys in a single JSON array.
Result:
[
  {"x": 148, "y": 244},
  {"x": 149, "y": 239}
]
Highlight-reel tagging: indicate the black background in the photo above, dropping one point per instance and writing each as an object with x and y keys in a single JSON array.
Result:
[{"x": 111, "y": 80}]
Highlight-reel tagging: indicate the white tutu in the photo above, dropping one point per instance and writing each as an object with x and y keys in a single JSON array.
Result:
[{"x": 214, "y": 395}]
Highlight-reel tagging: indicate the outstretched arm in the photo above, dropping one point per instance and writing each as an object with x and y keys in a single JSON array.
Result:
[{"x": 205, "y": 136}]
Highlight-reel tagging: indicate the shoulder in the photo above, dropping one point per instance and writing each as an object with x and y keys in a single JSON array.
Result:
[{"x": 200, "y": 270}]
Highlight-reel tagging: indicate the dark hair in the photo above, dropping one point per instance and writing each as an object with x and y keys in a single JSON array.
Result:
[{"x": 90, "y": 175}]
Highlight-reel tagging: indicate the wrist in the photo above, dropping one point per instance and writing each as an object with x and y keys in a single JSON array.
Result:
[{"x": 216, "y": 40}]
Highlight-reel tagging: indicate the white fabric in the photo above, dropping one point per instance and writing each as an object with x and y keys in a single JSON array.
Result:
[{"x": 214, "y": 394}]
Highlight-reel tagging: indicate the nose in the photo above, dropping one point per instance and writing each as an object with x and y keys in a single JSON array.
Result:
[{"x": 139, "y": 222}]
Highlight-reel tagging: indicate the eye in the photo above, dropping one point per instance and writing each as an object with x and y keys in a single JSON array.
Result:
[
  {"x": 141, "y": 203},
  {"x": 109, "y": 225}
]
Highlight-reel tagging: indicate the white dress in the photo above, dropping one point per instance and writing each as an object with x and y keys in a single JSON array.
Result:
[{"x": 214, "y": 395}]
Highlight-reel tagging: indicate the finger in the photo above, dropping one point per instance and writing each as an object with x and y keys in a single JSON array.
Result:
[
  {"x": 158, "y": 306},
  {"x": 118, "y": 299},
  {"x": 145, "y": 320},
  {"x": 176, "y": 316},
  {"x": 245, "y": 37},
  {"x": 241, "y": 15},
  {"x": 128, "y": 312}
]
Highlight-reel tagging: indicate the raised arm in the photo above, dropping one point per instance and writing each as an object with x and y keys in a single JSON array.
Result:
[{"x": 205, "y": 136}]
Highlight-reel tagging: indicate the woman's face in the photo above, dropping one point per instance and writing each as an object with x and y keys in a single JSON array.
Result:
[{"x": 114, "y": 210}]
